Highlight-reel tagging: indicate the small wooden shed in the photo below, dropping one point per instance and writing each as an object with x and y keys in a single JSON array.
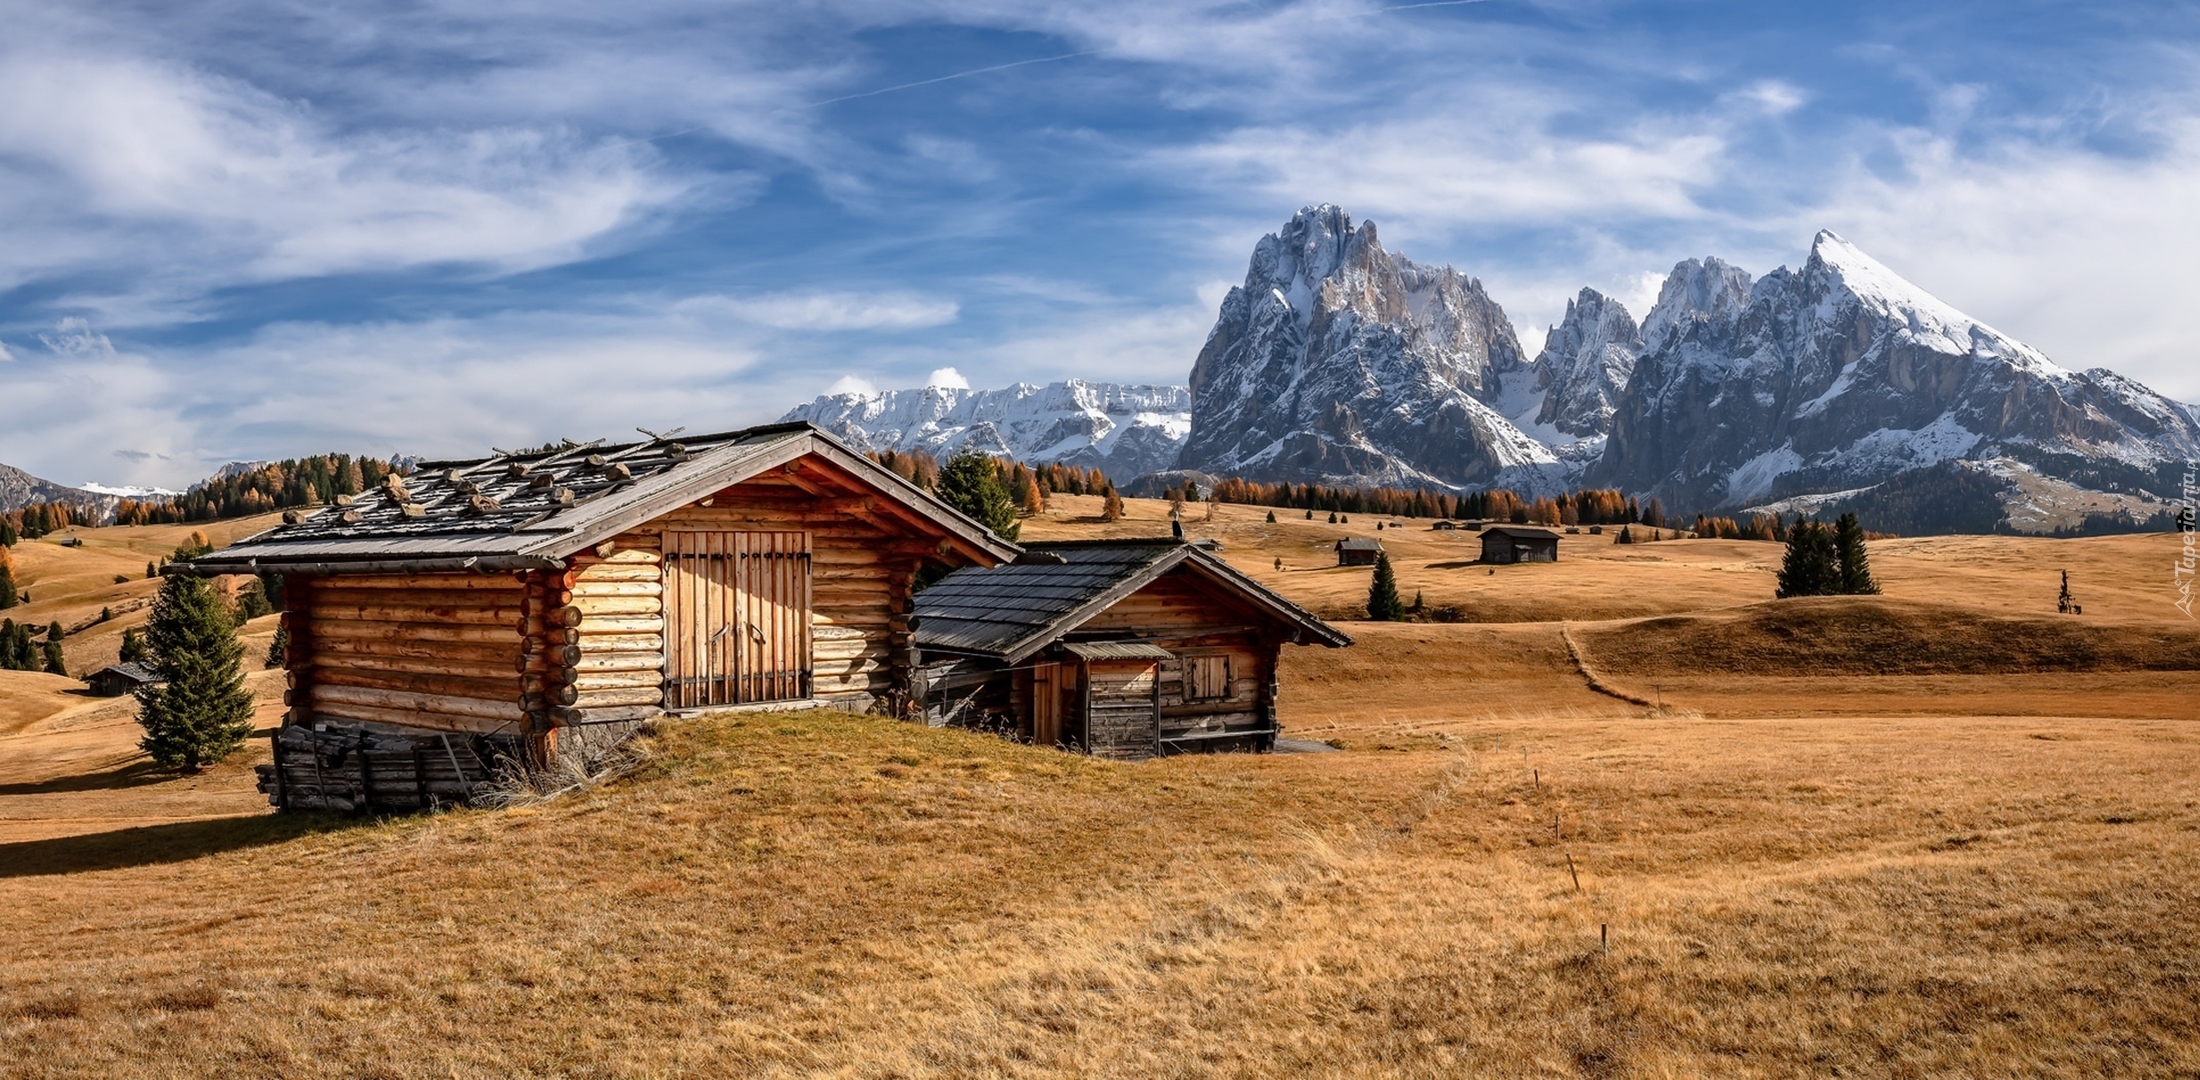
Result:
[
  {"x": 1358, "y": 551},
  {"x": 1518, "y": 544},
  {"x": 493, "y": 603},
  {"x": 1123, "y": 648},
  {"x": 115, "y": 680}
]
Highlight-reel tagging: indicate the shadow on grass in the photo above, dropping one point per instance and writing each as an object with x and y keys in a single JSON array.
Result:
[
  {"x": 134, "y": 774},
  {"x": 1456, "y": 564},
  {"x": 154, "y": 844}
]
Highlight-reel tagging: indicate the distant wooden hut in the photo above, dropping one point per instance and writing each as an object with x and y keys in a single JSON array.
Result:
[
  {"x": 1358, "y": 551},
  {"x": 1518, "y": 544},
  {"x": 1121, "y": 649},
  {"x": 115, "y": 680},
  {"x": 480, "y": 607},
  {"x": 1445, "y": 526}
]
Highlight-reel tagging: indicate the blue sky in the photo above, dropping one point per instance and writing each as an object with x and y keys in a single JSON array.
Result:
[{"x": 235, "y": 230}]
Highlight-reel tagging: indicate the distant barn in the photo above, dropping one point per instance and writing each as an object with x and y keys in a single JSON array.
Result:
[
  {"x": 1445, "y": 526},
  {"x": 116, "y": 680},
  {"x": 1358, "y": 551},
  {"x": 1518, "y": 544},
  {"x": 1119, "y": 648}
]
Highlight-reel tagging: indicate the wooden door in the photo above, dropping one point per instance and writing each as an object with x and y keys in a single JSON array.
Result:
[
  {"x": 1046, "y": 704},
  {"x": 737, "y": 617}
]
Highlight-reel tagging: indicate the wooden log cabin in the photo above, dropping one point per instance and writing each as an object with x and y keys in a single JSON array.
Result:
[
  {"x": 1121, "y": 649},
  {"x": 494, "y": 603}
]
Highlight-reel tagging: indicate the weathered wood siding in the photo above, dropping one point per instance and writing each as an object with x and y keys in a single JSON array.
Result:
[
  {"x": 861, "y": 567},
  {"x": 1176, "y": 613},
  {"x": 1120, "y": 698},
  {"x": 435, "y": 651}
]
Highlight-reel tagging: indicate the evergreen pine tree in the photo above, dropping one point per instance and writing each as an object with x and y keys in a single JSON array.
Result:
[
  {"x": 1332, "y": 517},
  {"x": 1383, "y": 602},
  {"x": 151, "y": 571},
  {"x": 201, "y": 712},
  {"x": 8, "y": 597},
  {"x": 55, "y": 664},
  {"x": 252, "y": 603},
  {"x": 971, "y": 482},
  {"x": 8, "y": 536},
  {"x": 1310, "y": 515},
  {"x": 133, "y": 646},
  {"x": 278, "y": 650},
  {"x": 1271, "y": 517},
  {"x": 1810, "y": 566},
  {"x": 1626, "y": 535},
  {"x": 1856, "y": 567}
]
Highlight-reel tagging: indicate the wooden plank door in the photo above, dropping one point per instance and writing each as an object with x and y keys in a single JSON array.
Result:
[
  {"x": 737, "y": 617},
  {"x": 1046, "y": 704}
]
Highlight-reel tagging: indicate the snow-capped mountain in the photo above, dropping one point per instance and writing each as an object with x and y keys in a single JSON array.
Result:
[
  {"x": 1842, "y": 375},
  {"x": 1338, "y": 362},
  {"x": 19, "y": 489},
  {"x": 1124, "y": 430}
]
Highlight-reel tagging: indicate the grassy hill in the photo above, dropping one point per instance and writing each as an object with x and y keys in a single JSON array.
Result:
[{"x": 1940, "y": 831}]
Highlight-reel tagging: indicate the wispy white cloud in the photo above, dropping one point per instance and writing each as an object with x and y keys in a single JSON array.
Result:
[
  {"x": 828, "y": 310},
  {"x": 167, "y": 168},
  {"x": 74, "y": 337}
]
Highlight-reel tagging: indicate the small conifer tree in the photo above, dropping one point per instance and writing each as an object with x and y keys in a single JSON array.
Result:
[
  {"x": 1626, "y": 535},
  {"x": 1310, "y": 515},
  {"x": 8, "y": 595},
  {"x": 1811, "y": 565},
  {"x": 1271, "y": 517},
  {"x": 1112, "y": 509},
  {"x": 971, "y": 482},
  {"x": 1856, "y": 567},
  {"x": 55, "y": 664},
  {"x": 133, "y": 646},
  {"x": 278, "y": 650},
  {"x": 1383, "y": 602},
  {"x": 1332, "y": 517},
  {"x": 200, "y": 712},
  {"x": 152, "y": 571}
]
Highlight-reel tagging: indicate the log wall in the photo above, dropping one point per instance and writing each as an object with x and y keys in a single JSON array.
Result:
[
  {"x": 861, "y": 569},
  {"x": 1180, "y": 614},
  {"x": 442, "y": 652}
]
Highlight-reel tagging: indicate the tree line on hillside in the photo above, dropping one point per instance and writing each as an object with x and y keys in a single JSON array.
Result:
[
  {"x": 996, "y": 491},
  {"x": 1589, "y": 506},
  {"x": 307, "y": 481}
]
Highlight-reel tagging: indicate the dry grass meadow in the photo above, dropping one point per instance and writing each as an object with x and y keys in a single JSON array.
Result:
[{"x": 1942, "y": 832}]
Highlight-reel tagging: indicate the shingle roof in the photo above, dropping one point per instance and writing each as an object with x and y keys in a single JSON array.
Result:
[
  {"x": 1359, "y": 543},
  {"x": 515, "y": 511},
  {"x": 1013, "y": 611},
  {"x": 1520, "y": 532},
  {"x": 133, "y": 671}
]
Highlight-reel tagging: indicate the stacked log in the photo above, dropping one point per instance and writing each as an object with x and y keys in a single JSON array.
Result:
[
  {"x": 619, "y": 644},
  {"x": 432, "y": 651},
  {"x": 359, "y": 768}
]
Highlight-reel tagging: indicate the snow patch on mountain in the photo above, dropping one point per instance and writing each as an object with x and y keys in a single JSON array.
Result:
[
  {"x": 1123, "y": 430},
  {"x": 1843, "y": 374},
  {"x": 127, "y": 491}
]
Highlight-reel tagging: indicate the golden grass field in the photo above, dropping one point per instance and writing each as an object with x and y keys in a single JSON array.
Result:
[{"x": 1942, "y": 832}]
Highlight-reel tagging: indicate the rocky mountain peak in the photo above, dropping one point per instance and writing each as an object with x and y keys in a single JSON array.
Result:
[
  {"x": 1339, "y": 362},
  {"x": 1585, "y": 364},
  {"x": 1707, "y": 289}
]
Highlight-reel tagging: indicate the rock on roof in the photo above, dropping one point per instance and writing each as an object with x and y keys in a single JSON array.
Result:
[{"x": 530, "y": 510}]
